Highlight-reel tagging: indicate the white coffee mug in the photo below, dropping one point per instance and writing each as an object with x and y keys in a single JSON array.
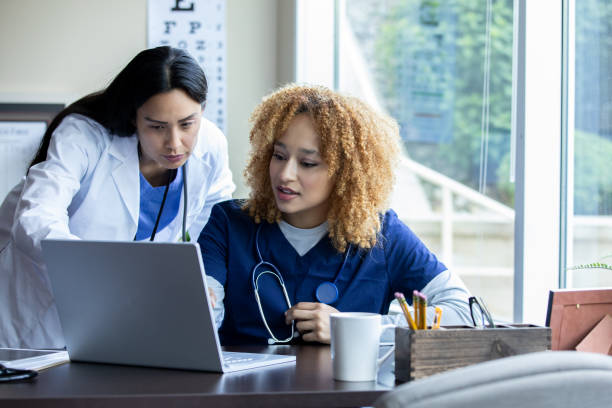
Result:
[{"x": 355, "y": 338}]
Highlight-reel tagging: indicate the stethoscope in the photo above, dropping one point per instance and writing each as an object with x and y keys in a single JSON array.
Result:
[
  {"x": 171, "y": 174},
  {"x": 326, "y": 292}
]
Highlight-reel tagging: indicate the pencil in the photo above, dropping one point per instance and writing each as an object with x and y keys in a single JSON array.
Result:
[
  {"x": 422, "y": 311},
  {"x": 415, "y": 306},
  {"x": 402, "y": 301},
  {"x": 437, "y": 319}
]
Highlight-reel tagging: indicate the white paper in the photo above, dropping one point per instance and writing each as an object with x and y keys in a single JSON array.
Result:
[
  {"x": 31, "y": 359},
  {"x": 18, "y": 143}
]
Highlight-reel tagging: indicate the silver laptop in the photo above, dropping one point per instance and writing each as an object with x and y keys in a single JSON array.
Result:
[{"x": 139, "y": 303}]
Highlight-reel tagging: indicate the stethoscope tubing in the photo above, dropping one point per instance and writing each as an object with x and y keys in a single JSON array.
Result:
[
  {"x": 184, "y": 229},
  {"x": 326, "y": 292},
  {"x": 161, "y": 207},
  {"x": 322, "y": 293}
]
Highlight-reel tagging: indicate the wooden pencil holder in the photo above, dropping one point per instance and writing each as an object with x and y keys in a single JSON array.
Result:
[{"x": 420, "y": 353}]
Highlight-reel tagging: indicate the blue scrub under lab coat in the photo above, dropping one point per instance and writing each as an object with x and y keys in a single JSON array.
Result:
[{"x": 366, "y": 283}]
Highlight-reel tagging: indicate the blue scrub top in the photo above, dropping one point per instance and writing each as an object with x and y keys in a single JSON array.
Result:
[
  {"x": 150, "y": 203},
  {"x": 367, "y": 283}
]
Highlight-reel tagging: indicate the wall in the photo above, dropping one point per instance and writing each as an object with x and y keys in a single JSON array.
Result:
[{"x": 57, "y": 51}]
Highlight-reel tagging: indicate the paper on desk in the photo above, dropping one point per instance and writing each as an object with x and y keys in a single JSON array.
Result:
[
  {"x": 599, "y": 339},
  {"x": 30, "y": 359}
]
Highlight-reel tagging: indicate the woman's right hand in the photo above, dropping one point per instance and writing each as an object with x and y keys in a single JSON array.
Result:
[
  {"x": 311, "y": 320},
  {"x": 212, "y": 297}
]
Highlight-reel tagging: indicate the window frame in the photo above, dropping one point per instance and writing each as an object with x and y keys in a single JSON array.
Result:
[{"x": 541, "y": 82}]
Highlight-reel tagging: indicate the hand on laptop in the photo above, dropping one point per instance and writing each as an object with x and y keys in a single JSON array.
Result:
[
  {"x": 212, "y": 297},
  {"x": 311, "y": 320}
]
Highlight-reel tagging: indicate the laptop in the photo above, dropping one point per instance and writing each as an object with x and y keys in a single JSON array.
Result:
[{"x": 139, "y": 303}]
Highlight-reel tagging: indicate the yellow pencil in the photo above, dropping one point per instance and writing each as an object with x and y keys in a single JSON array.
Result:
[
  {"x": 402, "y": 301},
  {"x": 423, "y": 312},
  {"x": 437, "y": 319},
  {"x": 415, "y": 307}
]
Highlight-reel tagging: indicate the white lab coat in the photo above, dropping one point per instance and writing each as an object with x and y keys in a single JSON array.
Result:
[{"x": 88, "y": 188}]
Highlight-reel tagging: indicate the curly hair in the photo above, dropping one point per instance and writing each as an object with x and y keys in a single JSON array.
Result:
[{"x": 359, "y": 145}]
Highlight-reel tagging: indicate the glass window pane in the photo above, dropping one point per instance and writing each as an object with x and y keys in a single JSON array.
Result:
[
  {"x": 590, "y": 225},
  {"x": 443, "y": 70}
]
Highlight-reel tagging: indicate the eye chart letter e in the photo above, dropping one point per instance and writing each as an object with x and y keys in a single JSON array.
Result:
[{"x": 197, "y": 26}]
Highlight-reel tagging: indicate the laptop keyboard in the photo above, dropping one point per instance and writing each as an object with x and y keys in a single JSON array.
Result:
[{"x": 236, "y": 359}]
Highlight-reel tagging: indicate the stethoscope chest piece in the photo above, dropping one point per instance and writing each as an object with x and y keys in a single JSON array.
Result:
[{"x": 327, "y": 292}]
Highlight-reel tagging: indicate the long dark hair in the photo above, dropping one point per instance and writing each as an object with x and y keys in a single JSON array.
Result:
[{"x": 149, "y": 73}]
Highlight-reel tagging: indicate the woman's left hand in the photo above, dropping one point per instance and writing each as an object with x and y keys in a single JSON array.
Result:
[{"x": 311, "y": 320}]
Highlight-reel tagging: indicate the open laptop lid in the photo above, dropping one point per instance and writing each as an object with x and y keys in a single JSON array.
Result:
[
  {"x": 572, "y": 314},
  {"x": 137, "y": 303}
]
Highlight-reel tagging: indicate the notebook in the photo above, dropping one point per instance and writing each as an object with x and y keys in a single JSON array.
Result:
[
  {"x": 32, "y": 359},
  {"x": 139, "y": 303}
]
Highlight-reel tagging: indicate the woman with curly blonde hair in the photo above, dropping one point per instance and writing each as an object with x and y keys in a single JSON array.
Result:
[{"x": 315, "y": 235}]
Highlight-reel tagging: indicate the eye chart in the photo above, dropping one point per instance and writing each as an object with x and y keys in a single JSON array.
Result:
[{"x": 197, "y": 26}]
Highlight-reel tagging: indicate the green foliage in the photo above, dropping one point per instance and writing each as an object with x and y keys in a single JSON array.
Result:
[
  {"x": 592, "y": 166},
  {"x": 596, "y": 265},
  {"x": 396, "y": 37},
  {"x": 401, "y": 39}
]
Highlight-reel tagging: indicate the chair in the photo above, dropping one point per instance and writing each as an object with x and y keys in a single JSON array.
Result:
[{"x": 555, "y": 379}]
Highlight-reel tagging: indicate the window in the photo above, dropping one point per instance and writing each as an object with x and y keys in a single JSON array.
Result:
[
  {"x": 443, "y": 70},
  {"x": 589, "y": 143}
]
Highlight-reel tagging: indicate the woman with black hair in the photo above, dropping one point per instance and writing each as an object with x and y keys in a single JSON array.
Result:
[{"x": 111, "y": 166}]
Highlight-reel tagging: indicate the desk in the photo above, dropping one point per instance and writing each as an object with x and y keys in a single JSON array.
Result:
[{"x": 307, "y": 383}]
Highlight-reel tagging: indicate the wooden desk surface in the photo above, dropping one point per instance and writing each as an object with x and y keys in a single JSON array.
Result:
[{"x": 307, "y": 383}]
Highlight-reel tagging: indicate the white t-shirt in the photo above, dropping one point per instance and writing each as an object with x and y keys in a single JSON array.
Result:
[{"x": 302, "y": 240}]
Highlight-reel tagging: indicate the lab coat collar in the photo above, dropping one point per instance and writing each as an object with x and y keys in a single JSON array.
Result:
[
  {"x": 198, "y": 170},
  {"x": 126, "y": 172}
]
